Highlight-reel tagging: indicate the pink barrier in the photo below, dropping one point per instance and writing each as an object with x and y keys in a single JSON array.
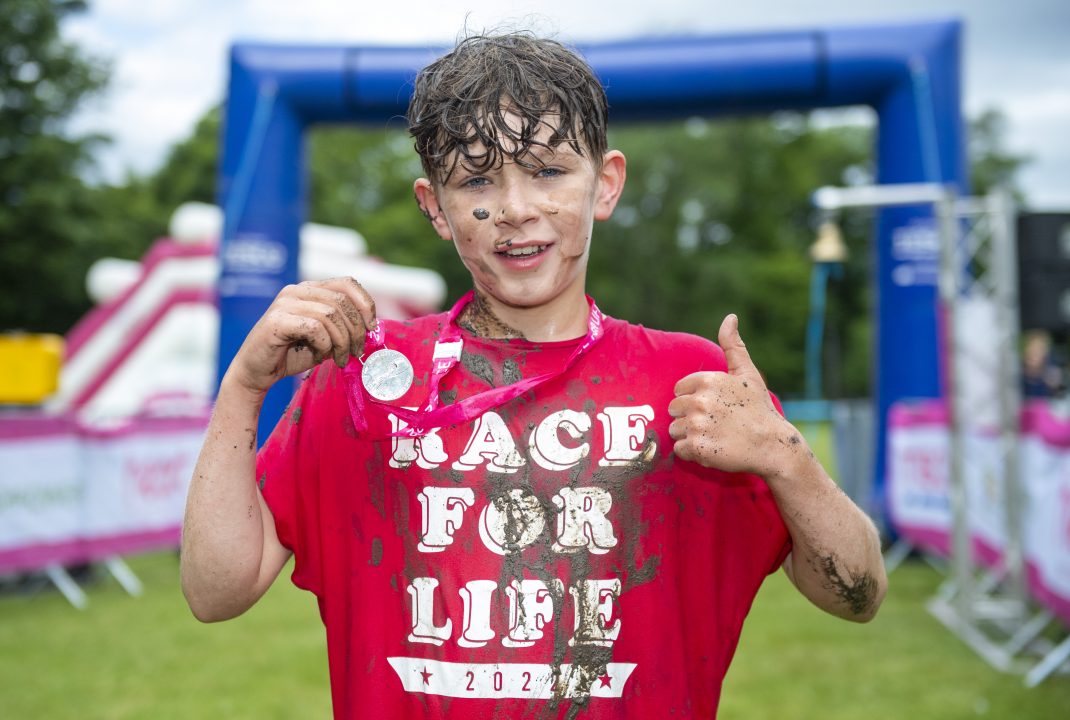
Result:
[
  {"x": 73, "y": 493},
  {"x": 34, "y": 557},
  {"x": 917, "y": 469},
  {"x": 1038, "y": 419},
  {"x": 918, "y": 492},
  {"x": 1058, "y": 604},
  {"x": 40, "y": 490}
]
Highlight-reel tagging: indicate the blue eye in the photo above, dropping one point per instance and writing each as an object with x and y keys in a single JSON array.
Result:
[
  {"x": 548, "y": 172},
  {"x": 474, "y": 182}
]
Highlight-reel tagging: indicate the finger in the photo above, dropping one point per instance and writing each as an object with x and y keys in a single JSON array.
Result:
[
  {"x": 735, "y": 352},
  {"x": 676, "y": 430},
  {"x": 329, "y": 317},
  {"x": 358, "y": 296},
  {"x": 683, "y": 450},
  {"x": 677, "y": 407},
  {"x": 345, "y": 314},
  {"x": 689, "y": 383},
  {"x": 301, "y": 334}
]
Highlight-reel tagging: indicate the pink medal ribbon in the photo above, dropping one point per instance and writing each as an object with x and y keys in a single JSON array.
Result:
[{"x": 446, "y": 355}]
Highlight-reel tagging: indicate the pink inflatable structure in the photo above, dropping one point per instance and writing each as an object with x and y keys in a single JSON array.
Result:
[{"x": 101, "y": 470}]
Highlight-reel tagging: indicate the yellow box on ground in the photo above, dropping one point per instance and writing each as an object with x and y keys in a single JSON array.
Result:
[{"x": 29, "y": 367}]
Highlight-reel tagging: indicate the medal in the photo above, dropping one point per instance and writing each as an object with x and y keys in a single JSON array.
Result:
[{"x": 387, "y": 375}]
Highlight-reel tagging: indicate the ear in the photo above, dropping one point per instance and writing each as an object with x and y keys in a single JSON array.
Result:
[
  {"x": 610, "y": 184},
  {"x": 427, "y": 201}
]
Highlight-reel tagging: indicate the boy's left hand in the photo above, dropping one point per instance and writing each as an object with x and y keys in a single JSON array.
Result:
[{"x": 727, "y": 420}]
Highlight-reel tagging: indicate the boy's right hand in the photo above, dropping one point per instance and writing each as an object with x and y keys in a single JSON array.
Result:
[{"x": 305, "y": 324}]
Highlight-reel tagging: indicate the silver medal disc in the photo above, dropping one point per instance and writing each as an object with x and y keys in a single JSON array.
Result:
[{"x": 387, "y": 375}]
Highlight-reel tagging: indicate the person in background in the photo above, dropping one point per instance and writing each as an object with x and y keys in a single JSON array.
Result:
[{"x": 1041, "y": 375}]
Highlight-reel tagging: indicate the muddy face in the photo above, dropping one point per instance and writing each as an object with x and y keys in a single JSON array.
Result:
[{"x": 531, "y": 250}]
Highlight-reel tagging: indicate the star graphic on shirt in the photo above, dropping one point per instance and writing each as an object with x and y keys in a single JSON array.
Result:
[
  {"x": 426, "y": 676},
  {"x": 606, "y": 680}
]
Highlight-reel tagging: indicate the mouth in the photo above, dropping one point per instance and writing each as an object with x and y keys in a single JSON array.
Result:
[{"x": 522, "y": 252}]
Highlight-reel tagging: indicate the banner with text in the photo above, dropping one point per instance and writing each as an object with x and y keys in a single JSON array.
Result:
[
  {"x": 919, "y": 504},
  {"x": 73, "y": 493}
]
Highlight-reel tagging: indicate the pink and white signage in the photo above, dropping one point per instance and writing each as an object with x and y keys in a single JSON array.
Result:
[
  {"x": 71, "y": 493},
  {"x": 1046, "y": 471},
  {"x": 919, "y": 502},
  {"x": 137, "y": 479},
  {"x": 41, "y": 491}
]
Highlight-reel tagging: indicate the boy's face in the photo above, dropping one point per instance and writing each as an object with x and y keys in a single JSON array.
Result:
[{"x": 524, "y": 233}]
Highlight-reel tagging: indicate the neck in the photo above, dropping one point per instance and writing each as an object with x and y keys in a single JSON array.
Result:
[{"x": 565, "y": 319}]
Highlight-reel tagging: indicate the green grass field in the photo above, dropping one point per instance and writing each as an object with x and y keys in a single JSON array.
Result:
[{"x": 148, "y": 658}]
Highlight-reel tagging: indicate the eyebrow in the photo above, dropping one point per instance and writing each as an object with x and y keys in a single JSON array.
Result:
[
  {"x": 542, "y": 153},
  {"x": 538, "y": 153}
]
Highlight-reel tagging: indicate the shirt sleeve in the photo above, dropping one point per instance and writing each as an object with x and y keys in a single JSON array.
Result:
[{"x": 287, "y": 472}]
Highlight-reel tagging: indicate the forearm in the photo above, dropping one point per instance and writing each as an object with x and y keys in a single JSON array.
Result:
[
  {"x": 836, "y": 557},
  {"x": 727, "y": 421},
  {"x": 223, "y": 539},
  {"x": 230, "y": 552}
]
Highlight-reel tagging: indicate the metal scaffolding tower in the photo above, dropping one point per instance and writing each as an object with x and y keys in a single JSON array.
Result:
[{"x": 988, "y": 607}]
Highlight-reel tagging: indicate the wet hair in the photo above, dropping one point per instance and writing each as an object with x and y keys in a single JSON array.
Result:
[{"x": 463, "y": 97}]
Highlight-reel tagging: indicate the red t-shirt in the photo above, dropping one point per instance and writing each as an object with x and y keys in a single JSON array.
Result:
[{"x": 551, "y": 558}]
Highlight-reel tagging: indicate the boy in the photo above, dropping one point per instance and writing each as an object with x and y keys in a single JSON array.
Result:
[{"x": 520, "y": 508}]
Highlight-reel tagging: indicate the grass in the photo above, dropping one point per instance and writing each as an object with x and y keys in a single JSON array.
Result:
[
  {"x": 797, "y": 663},
  {"x": 126, "y": 658},
  {"x": 147, "y": 657}
]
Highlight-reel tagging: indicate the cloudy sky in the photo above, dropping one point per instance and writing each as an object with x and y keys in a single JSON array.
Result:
[{"x": 169, "y": 56}]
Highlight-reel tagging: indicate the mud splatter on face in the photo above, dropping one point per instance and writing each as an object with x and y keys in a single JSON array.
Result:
[
  {"x": 483, "y": 267},
  {"x": 480, "y": 214}
]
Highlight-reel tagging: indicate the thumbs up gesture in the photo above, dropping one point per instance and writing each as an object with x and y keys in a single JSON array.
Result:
[{"x": 726, "y": 420}]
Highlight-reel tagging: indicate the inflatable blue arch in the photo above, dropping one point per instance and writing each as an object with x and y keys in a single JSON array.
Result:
[{"x": 908, "y": 73}]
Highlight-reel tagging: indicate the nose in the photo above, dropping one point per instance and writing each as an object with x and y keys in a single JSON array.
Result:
[{"x": 516, "y": 207}]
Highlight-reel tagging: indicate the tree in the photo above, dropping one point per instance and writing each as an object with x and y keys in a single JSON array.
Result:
[
  {"x": 45, "y": 206},
  {"x": 362, "y": 178},
  {"x": 715, "y": 218},
  {"x": 991, "y": 164},
  {"x": 134, "y": 213}
]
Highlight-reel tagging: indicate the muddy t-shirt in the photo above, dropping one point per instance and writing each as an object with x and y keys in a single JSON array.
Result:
[{"x": 551, "y": 558}]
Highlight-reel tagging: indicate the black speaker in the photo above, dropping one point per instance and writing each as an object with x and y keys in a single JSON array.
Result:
[{"x": 1044, "y": 271}]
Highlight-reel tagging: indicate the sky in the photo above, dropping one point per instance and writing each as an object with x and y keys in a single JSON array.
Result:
[{"x": 169, "y": 56}]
